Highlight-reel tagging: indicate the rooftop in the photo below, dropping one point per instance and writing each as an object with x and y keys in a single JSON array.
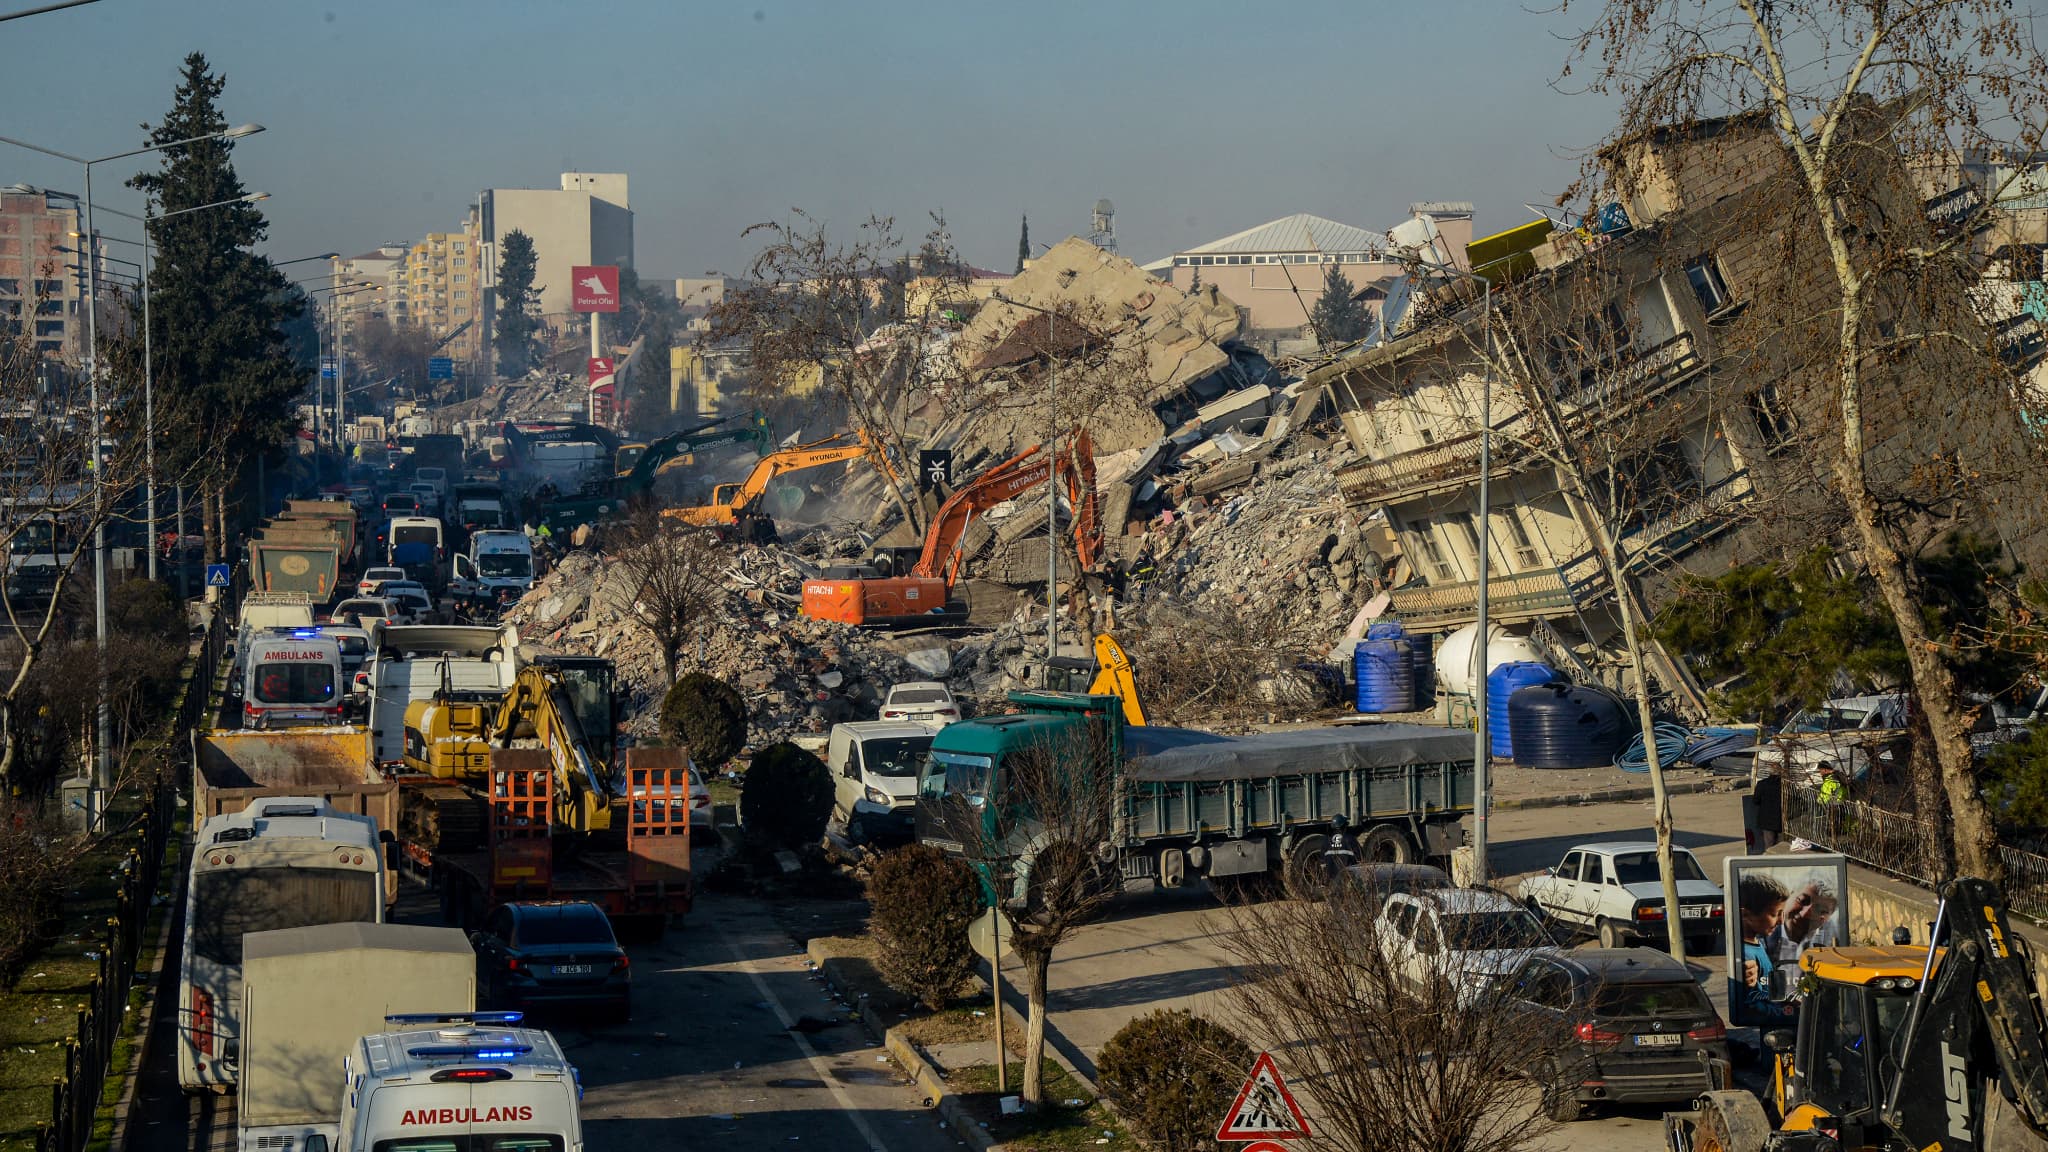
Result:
[{"x": 1300, "y": 232}]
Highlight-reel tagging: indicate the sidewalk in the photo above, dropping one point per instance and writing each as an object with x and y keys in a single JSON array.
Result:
[{"x": 1515, "y": 787}]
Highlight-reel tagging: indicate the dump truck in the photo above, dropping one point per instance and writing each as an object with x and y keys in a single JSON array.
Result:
[
  {"x": 310, "y": 994},
  {"x": 1184, "y": 804},
  {"x": 310, "y": 566},
  {"x": 231, "y": 770},
  {"x": 336, "y": 512}
]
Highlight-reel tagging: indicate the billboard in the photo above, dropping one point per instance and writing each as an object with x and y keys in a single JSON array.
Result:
[
  {"x": 1777, "y": 907},
  {"x": 594, "y": 288}
]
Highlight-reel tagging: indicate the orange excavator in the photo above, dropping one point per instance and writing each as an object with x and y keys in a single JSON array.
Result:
[
  {"x": 732, "y": 505},
  {"x": 927, "y": 590}
]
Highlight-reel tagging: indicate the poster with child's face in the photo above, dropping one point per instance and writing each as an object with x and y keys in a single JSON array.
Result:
[{"x": 1776, "y": 908}]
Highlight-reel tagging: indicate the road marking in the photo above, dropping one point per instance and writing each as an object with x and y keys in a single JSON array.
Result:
[{"x": 823, "y": 1070}]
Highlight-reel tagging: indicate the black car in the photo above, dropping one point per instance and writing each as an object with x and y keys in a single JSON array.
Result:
[
  {"x": 1617, "y": 1025},
  {"x": 545, "y": 954}
]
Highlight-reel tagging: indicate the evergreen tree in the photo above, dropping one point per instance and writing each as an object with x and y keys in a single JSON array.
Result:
[
  {"x": 219, "y": 312},
  {"x": 1024, "y": 244},
  {"x": 1337, "y": 318},
  {"x": 516, "y": 325}
]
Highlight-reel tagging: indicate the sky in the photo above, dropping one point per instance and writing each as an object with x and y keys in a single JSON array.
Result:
[{"x": 1196, "y": 118}]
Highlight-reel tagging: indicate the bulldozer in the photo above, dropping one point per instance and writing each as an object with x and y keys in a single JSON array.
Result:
[
  {"x": 561, "y": 704},
  {"x": 735, "y": 508},
  {"x": 1898, "y": 1048}
]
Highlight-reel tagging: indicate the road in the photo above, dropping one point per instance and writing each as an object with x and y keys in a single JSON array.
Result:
[
  {"x": 1170, "y": 949},
  {"x": 732, "y": 1045}
]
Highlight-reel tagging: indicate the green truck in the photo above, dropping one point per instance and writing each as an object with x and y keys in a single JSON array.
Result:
[{"x": 1185, "y": 804}]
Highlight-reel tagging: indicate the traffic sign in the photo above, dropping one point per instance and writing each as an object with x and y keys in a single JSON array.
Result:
[
  {"x": 216, "y": 575},
  {"x": 327, "y": 367},
  {"x": 1264, "y": 1146},
  {"x": 1264, "y": 1108},
  {"x": 440, "y": 368}
]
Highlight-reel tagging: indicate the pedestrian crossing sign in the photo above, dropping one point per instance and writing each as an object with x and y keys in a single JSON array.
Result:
[
  {"x": 216, "y": 575},
  {"x": 1264, "y": 1109}
]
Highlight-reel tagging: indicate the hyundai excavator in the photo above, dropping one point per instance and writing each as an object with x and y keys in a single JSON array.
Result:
[
  {"x": 560, "y": 704},
  {"x": 926, "y": 591},
  {"x": 1898, "y": 1048},
  {"x": 733, "y": 506},
  {"x": 609, "y": 498}
]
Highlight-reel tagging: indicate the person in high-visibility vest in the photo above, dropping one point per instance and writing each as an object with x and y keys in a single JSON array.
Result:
[{"x": 1831, "y": 789}]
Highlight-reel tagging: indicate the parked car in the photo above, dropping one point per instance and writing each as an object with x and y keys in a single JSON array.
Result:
[
  {"x": 1379, "y": 881},
  {"x": 367, "y": 586},
  {"x": 700, "y": 801},
  {"x": 1467, "y": 937},
  {"x": 543, "y": 953},
  {"x": 1616, "y": 1025},
  {"x": 1612, "y": 891},
  {"x": 367, "y": 610},
  {"x": 926, "y": 702}
]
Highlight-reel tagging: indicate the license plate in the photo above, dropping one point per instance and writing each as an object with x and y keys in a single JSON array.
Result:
[
  {"x": 1694, "y": 911},
  {"x": 572, "y": 969},
  {"x": 1659, "y": 1040}
]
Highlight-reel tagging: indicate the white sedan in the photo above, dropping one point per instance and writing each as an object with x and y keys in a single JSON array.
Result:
[
  {"x": 1467, "y": 937},
  {"x": 925, "y": 702}
]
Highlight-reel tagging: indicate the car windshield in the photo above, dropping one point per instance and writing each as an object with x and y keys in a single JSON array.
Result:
[
  {"x": 1633, "y": 998},
  {"x": 1827, "y": 720},
  {"x": 304, "y": 682},
  {"x": 1641, "y": 868},
  {"x": 564, "y": 926},
  {"x": 955, "y": 774},
  {"x": 896, "y": 758},
  {"x": 917, "y": 696},
  {"x": 1509, "y": 929},
  {"x": 504, "y": 564}
]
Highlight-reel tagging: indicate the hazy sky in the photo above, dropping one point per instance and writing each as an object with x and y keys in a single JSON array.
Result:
[{"x": 1197, "y": 118}]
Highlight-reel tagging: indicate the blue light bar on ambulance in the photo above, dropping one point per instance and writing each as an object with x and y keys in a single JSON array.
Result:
[
  {"x": 469, "y": 1052},
  {"x": 507, "y": 1018}
]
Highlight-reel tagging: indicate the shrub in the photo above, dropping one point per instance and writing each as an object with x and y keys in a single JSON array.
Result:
[
  {"x": 707, "y": 716},
  {"x": 923, "y": 901},
  {"x": 1171, "y": 1075},
  {"x": 785, "y": 798}
]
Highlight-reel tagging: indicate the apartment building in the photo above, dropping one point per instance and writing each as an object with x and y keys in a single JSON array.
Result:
[
  {"x": 440, "y": 289},
  {"x": 381, "y": 267},
  {"x": 37, "y": 292},
  {"x": 588, "y": 220}
]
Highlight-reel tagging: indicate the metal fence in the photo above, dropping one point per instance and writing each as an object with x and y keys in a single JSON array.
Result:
[
  {"x": 88, "y": 1055},
  {"x": 1896, "y": 843}
]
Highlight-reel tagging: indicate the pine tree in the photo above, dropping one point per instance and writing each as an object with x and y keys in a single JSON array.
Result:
[
  {"x": 1024, "y": 244},
  {"x": 1337, "y": 318},
  {"x": 219, "y": 312},
  {"x": 516, "y": 324}
]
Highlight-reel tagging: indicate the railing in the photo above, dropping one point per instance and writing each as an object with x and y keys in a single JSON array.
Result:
[
  {"x": 2021, "y": 341},
  {"x": 1536, "y": 593},
  {"x": 1454, "y": 461},
  {"x": 1951, "y": 208},
  {"x": 1896, "y": 843},
  {"x": 75, "y": 1096},
  {"x": 1640, "y": 375}
]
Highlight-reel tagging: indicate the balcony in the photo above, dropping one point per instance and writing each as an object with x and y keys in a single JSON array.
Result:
[
  {"x": 1509, "y": 597},
  {"x": 1450, "y": 464},
  {"x": 1948, "y": 211},
  {"x": 1632, "y": 375}
]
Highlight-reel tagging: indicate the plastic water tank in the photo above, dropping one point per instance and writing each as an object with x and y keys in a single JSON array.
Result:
[
  {"x": 1502, "y": 683},
  {"x": 1454, "y": 655},
  {"x": 1385, "y": 673},
  {"x": 1423, "y": 663},
  {"x": 1560, "y": 725}
]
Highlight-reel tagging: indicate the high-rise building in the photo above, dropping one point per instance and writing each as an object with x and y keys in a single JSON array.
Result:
[
  {"x": 379, "y": 266},
  {"x": 440, "y": 289},
  {"x": 36, "y": 288},
  {"x": 588, "y": 220}
]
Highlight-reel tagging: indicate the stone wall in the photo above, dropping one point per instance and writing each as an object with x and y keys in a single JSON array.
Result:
[{"x": 1878, "y": 903}]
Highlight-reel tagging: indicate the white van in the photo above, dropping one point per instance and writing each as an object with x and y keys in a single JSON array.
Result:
[
  {"x": 874, "y": 766},
  {"x": 462, "y": 1082},
  {"x": 291, "y": 678}
]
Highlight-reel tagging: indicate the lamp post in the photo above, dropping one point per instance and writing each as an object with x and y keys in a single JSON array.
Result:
[
  {"x": 340, "y": 361},
  {"x": 103, "y": 730},
  {"x": 1052, "y": 507}
]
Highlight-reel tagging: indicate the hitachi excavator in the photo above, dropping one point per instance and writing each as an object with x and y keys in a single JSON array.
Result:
[
  {"x": 561, "y": 704},
  {"x": 926, "y": 592},
  {"x": 733, "y": 506},
  {"x": 1898, "y": 1048}
]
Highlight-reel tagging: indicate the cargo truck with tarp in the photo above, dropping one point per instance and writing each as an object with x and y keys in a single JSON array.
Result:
[{"x": 1182, "y": 803}]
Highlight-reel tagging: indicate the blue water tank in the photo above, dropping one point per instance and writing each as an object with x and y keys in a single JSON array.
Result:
[
  {"x": 1560, "y": 725},
  {"x": 1423, "y": 664},
  {"x": 1385, "y": 671},
  {"x": 1501, "y": 683},
  {"x": 1386, "y": 630}
]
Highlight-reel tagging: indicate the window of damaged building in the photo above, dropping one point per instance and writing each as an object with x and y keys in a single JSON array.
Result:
[{"x": 1710, "y": 287}]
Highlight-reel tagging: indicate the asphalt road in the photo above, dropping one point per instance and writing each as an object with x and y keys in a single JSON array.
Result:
[{"x": 732, "y": 1045}]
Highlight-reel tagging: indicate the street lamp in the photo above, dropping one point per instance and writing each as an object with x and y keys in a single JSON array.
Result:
[
  {"x": 340, "y": 360},
  {"x": 1052, "y": 507},
  {"x": 104, "y": 727}
]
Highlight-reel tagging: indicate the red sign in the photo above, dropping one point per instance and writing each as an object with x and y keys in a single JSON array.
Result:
[
  {"x": 594, "y": 287},
  {"x": 1264, "y": 1108},
  {"x": 601, "y": 368}
]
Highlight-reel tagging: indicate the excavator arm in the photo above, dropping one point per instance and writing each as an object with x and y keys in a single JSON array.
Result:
[
  {"x": 816, "y": 454},
  {"x": 1007, "y": 481},
  {"x": 538, "y": 709},
  {"x": 1113, "y": 677}
]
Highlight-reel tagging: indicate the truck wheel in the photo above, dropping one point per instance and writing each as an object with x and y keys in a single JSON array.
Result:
[
  {"x": 1612, "y": 935},
  {"x": 1308, "y": 869},
  {"x": 1385, "y": 844}
]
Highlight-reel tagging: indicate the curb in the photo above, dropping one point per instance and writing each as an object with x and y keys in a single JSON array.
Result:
[
  {"x": 923, "y": 1075},
  {"x": 1602, "y": 796},
  {"x": 125, "y": 1105}
]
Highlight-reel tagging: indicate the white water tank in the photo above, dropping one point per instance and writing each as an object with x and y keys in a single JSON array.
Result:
[{"x": 1454, "y": 655}]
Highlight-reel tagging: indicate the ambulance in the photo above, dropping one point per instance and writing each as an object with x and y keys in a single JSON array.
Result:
[
  {"x": 291, "y": 678},
  {"x": 459, "y": 1082}
]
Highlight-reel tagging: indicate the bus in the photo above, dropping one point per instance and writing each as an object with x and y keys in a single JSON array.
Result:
[{"x": 282, "y": 862}]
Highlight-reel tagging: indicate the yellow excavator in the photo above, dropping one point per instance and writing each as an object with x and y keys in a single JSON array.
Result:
[
  {"x": 1108, "y": 674},
  {"x": 732, "y": 505},
  {"x": 1898, "y": 1048},
  {"x": 561, "y": 704}
]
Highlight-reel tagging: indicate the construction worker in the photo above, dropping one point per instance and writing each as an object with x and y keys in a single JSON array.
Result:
[{"x": 1831, "y": 789}]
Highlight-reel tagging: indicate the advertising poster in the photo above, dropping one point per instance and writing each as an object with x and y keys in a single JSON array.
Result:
[{"x": 1777, "y": 907}]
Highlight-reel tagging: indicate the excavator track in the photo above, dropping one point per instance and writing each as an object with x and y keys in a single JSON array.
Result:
[{"x": 447, "y": 817}]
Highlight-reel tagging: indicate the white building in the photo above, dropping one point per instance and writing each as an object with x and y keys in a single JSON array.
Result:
[{"x": 588, "y": 220}]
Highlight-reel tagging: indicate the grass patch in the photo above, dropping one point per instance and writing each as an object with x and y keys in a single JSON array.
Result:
[
  {"x": 963, "y": 1023},
  {"x": 1071, "y": 1119}
]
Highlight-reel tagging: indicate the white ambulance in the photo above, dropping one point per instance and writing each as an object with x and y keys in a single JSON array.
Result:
[
  {"x": 291, "y": 678},
  {"x": 459, "y": 1082}
]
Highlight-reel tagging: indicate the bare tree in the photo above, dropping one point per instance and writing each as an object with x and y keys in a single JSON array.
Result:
[
  {"x": 679, "y": 571},
  {"x": 865, "y": 319},
  {"x": 1394, "y": 1052},
  {"x": 1846, "y": 91}
]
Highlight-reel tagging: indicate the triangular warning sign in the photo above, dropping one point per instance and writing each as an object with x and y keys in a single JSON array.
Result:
[{"x": 1264, "y": 1109}]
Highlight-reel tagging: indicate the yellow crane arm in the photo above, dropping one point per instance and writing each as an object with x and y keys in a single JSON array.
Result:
[{"x": 1114, "y": 677}]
